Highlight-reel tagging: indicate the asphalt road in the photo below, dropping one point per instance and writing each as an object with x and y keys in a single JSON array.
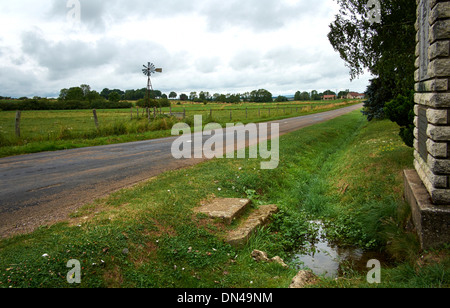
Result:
[{"x": 43, "y": 188}]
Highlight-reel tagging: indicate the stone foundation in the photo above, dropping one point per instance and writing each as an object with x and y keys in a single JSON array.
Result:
[{"x": 432, "y": 222}]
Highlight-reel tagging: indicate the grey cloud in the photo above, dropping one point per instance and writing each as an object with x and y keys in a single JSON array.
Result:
[
  {"x": 97, "y": 15},
  {"x": 257, "y": 15},
  {"x": 131, "y": 55},
  {"x": 63, "y": 58},
  {"x": 287, "y": 56},
  {"x": 278, "y": 58},
  {"x": 111, "y": 59},
  {"x": 207, "y": 65},
  {"x": 12, "y": 79},
  {"x": 246, "y": 59},
  {"x": 94, "y": 13},
  {"x": 155, "y": 7}
]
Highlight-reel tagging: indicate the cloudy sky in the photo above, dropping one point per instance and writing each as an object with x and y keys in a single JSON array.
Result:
[{"x": 220, "y": 46}]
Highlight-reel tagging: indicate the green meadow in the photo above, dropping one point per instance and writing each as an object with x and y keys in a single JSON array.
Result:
[{"x": 59, "y": 130}]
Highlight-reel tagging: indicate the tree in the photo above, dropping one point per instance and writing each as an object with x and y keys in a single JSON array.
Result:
[
  {"x": 105, "y": 93},
  {"x": 140, "y": 93},
  {"x": 220, "y": 98},
  {"x": 156, "y": 94},
  {"x": 401, "y": 111},
  {"x": 343, "y": 94},
  {"x": 305, "y": 96},
  {"x": 129, "y": 95},
  {"x": 233, "y": 98},
  {"x": 193, "y": 96},
  {"x": 261, "y": 96},
  {"x": 202, "y": 96},
  {"x": 377, "y": 96},
  {"x": 246, "y": 97},
  {"x": 173, "y": 95},
  {"x": 183, "y": 97},
  {"x": 329, "y": 92},
  {"x": 386, "y": 49},
  {"x": 86, "y": 90},
  {"x": 114, "y": 96},
  {"x": 75, "y": 94},
  {"x": 93, "y": 95},
  {"x": 63, "y": 94},
  {"x": 281, "y": 98},
  {"x": 315, "y": 96}
]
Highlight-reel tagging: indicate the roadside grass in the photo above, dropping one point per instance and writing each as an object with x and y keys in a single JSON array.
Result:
[
  {"x": 345, "y": 172},
  {"x": 60, "y": 130}
]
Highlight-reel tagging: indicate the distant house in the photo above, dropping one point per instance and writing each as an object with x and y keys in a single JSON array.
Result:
[
  {"x": 355, "y": 95},
  {"x": 329, "y": 97}
]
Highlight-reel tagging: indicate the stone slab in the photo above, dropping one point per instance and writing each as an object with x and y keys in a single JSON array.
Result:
[
  {"x": 227, "y": 209},
  {"x": 258, "y": 218},
  {"x": 432, "y": 222}
]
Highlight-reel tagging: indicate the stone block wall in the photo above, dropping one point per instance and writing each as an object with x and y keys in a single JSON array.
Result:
[{"x": 432, "y": 98}]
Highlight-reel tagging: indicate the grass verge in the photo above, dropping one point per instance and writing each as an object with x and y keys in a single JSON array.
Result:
[{"x": 345, "y": 172}]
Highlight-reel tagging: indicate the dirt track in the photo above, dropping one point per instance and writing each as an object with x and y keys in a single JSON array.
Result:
[{"x": 43, "y": 188}]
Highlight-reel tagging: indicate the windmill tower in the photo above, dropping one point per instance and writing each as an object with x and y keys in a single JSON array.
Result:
[{"x": 148, "y": 71}]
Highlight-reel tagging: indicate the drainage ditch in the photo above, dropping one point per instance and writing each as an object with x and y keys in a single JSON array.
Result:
[{"x": 327, "y": 259}]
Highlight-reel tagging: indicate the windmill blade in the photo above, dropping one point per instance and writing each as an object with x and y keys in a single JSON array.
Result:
[{"x": 150, "y": 69}]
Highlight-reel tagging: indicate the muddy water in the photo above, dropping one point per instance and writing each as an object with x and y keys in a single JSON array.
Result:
[{"x": 329, "y": 260}]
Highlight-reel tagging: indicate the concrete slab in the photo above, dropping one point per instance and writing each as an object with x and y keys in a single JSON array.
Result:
[
  {"x": 257, "y": 218},
  {"x": 432, "y": 222},
  {"x": 227, "y": 209}
]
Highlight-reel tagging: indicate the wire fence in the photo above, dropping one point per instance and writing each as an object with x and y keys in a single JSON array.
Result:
[
  {"x": 248, "y": 113},
  {"x": 32, "y": 124}
]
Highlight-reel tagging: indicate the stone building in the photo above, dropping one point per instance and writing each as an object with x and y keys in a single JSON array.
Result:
[{"x": 427, "y": 188}]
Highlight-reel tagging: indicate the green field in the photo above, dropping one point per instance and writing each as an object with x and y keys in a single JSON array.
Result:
[
  {"x": 345, "y": 172},
  {"x": 59, "y": 130}
]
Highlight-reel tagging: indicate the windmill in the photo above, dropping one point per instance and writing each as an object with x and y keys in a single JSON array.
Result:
[{"x": 148, "y": 71}]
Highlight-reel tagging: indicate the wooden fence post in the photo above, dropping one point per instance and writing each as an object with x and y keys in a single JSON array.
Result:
[
  {"x": 18, "y": 116},
  {"x": 95, "y": 118}
]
